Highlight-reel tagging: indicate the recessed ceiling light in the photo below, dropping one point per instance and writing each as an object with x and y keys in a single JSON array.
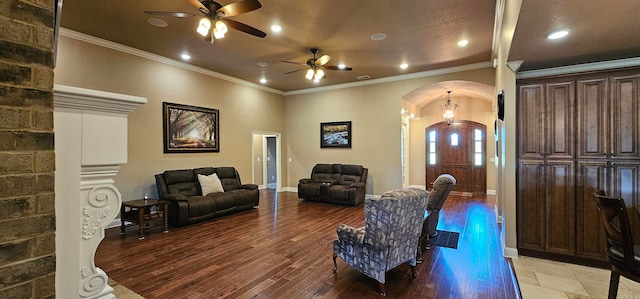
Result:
[
  {"x": 558, "y": 34},
  {"x": 185, "y": 56},
  {"x": 263, "y": 80},
  {"x": 378, "y": 36},
  {"x": 342, "y": 66},
  {"x": 157, "y": 22},
  {"x": 276, "y": 28},
  {"x": 463, "y": 43},
  {"x": 262, "y": 64},
  {"x": 404, "y": 66}
]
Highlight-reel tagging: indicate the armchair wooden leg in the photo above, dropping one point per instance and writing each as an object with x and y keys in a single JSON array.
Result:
[
  {"x": 335, "y": 265},
  {"x": 381, "y": 289},
  {"x": 413, "y": 271},
  {"x": 613, "y": 285}
]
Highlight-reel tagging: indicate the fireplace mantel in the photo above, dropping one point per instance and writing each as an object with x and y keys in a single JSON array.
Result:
[{"x": 91, "y": 144}]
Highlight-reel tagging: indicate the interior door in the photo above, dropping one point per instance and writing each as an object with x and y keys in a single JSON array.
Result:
[{"x": 271, "y": 162}]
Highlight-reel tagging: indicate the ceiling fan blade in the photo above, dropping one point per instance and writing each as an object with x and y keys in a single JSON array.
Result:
[
  {"x": 169, "y": 13},
  {"x": 293, "y": 62},
  {"x": 244, "y": 28},
  {"x": 203, "y": 9},
  {"x": 239, "y": 7},
  {"x": 322, "y": 60},
  {"x": 294, "y": 71},
  {"x": 336, "y": 68}
]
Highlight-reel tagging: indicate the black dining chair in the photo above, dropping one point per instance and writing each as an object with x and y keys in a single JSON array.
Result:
[{"x": 622, "y": 254}]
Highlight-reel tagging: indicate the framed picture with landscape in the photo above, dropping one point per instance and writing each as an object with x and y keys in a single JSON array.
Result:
[
  {"x": 190, "y": 129},
  {"x": 335, "y": 134}
]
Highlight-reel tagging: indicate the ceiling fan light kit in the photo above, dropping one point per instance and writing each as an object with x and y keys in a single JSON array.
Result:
[
  {"x": 217, "y": 14},
  {"x": 203, "y": 26},
  {"x": 317, "y": 65}
]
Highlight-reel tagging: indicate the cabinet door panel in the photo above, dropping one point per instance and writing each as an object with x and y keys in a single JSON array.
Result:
[
  {"x": 531, "y": 121},
  {"x": 590, "y": 238},
  {"x": 531, "y": 207},
  {"x": 593, "y": 118},
  {"x": 560, "y": 117},
  {"x": 626, "y": 184},
  {"x": 625, "y": 117},
  {"x": 560, "y": 207}
]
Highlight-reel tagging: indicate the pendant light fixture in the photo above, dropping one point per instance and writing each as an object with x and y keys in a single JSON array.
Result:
[{"x": 448, "y": 110}]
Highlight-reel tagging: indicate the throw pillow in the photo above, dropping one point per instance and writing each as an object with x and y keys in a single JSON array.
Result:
[{"x": 210, "y": 184}]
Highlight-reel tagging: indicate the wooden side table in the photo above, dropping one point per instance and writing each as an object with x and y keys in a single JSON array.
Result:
[{"x": 140, "y": 213}]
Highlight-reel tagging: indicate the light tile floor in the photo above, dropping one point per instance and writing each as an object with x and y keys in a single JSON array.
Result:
[{"x": 547, "y": 279}]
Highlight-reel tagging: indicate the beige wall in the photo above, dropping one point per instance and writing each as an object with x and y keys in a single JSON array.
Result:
[
  {"x": 375, "y": 113},
  {"x": 243, "y": 109},
  {"x": 506, "y": 166}
]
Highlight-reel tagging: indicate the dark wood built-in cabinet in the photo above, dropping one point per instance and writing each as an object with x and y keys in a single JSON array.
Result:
[{"x": 576, "y": 134}]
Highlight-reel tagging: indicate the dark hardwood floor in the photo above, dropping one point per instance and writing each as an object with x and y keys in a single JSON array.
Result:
[{"x": 283, "y": 249}]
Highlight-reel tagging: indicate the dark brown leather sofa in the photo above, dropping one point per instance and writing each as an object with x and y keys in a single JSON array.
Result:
[
  {"x": 335, "y": 183},
  {"x": 188, "y": 205}
]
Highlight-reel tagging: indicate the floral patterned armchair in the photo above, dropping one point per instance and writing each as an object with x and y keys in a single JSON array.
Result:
[{"x": 389, "y": 238}]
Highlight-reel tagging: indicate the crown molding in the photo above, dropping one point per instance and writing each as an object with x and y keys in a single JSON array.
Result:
[
  {"x": 133, "y": 51},
  {"x": 497, "y": 28},
  {"x": 449, "y": 70},
  {"x": 580, "y": 68}
]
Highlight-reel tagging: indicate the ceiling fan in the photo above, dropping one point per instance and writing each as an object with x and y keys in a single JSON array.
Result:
[
  {"x": 317, "y": 66},
  {"x": 214, "y": 22}
]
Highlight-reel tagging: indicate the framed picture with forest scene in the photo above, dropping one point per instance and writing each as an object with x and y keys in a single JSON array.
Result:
[
  {"x": 190, "y": 129},
  {"x": 335, "y": 134}
]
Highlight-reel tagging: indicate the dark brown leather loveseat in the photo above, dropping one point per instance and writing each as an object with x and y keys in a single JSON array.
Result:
[
  {"x": 187, "y": 204},
  {"x": 335, "y": 183}
]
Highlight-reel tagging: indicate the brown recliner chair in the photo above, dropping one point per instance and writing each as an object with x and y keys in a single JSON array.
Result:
[
  {"x": 438, "y": 195},
  {"x": 622, "y": 254}
]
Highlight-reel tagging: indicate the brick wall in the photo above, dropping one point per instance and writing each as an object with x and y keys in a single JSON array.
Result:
[{"x": 27, "y": 215}]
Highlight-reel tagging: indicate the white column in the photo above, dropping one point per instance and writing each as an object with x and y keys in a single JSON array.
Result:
[{"x": 91, "y": 142}]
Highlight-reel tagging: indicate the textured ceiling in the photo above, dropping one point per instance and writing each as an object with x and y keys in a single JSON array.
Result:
[
  {"x": 422, "y": 33},
  {"x": 600, "y": 31}
]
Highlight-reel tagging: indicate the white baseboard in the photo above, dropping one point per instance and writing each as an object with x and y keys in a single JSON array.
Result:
[
  {"x": 260, "y": 187},
  {"x": 288, "y": 189},
  {"x": 498, "y": 217},
  {"x": 491, "y": 192},
  {"x": 371, "y": 196},
  {"x": 509, "y": 252}
]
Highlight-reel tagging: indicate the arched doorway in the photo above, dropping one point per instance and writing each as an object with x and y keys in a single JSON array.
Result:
[{"x": 460, "y": 150}]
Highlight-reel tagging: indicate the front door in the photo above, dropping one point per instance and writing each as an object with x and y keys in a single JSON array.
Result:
[{"x": 457, "y": 149}]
